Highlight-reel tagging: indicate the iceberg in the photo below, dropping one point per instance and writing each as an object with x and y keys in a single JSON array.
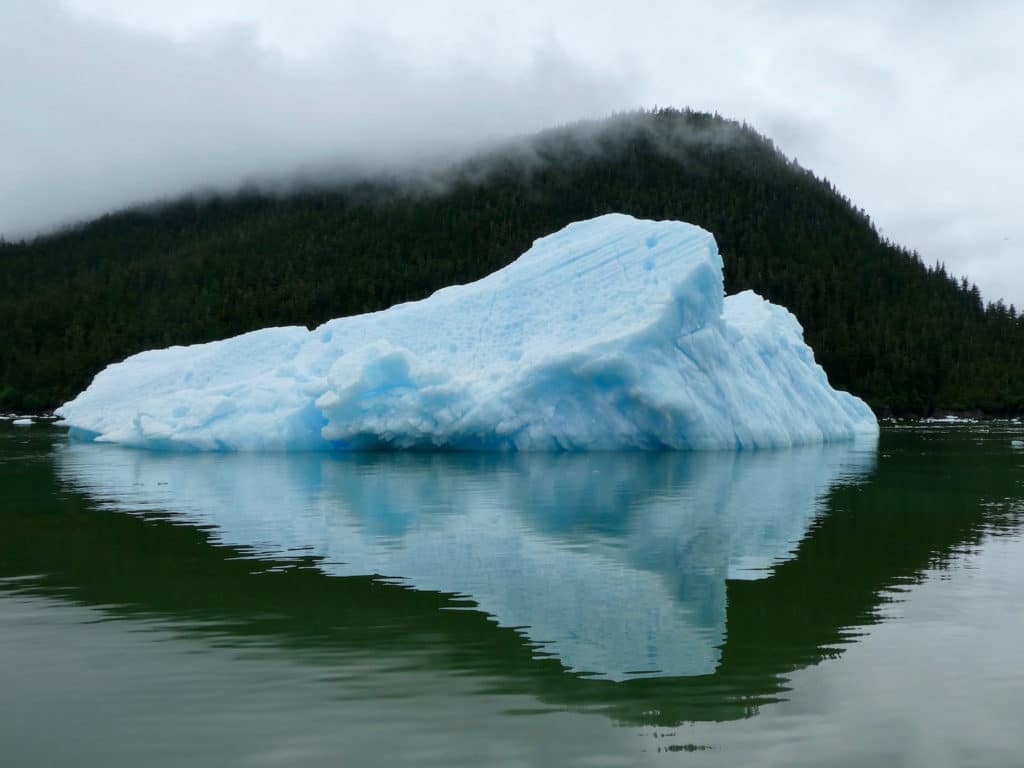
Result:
[{"x": 610, "y": 334}]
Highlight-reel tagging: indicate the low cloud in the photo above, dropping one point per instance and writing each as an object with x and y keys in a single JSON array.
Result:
[{"x": 101, "y": 116}]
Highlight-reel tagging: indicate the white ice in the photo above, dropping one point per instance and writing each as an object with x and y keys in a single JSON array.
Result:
[{"x": 612, "y": 333}]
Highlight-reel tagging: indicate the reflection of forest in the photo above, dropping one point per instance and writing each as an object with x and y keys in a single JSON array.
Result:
[{"x": 923, "y": 502}]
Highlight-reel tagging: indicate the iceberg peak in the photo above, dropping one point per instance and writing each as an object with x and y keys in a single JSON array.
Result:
[{"x": 612, "y": 333}]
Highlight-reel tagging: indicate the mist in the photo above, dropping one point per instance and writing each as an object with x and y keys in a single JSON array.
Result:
[{"x": 910, "y": 111}]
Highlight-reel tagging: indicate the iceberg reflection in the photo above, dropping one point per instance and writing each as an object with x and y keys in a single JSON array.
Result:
[{"x": 614, "y": 563}]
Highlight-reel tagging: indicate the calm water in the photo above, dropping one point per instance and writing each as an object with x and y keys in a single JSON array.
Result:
[{"x": 846, "y": 605}]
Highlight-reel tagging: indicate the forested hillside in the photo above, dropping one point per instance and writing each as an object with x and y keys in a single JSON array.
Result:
[{"x": 907, "y": 337}]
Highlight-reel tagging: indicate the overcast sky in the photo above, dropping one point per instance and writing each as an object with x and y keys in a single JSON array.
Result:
[{"x": 914, "y": 109}]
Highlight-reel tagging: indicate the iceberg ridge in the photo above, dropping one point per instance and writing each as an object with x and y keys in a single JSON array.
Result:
[{"x": 612, "y": 333}]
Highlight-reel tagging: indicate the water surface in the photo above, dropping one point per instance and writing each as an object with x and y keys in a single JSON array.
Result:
[{"x": 857, "y": 602}]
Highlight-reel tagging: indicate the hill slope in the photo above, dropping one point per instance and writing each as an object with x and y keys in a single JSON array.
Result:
[{"x": 906, "y": 337}]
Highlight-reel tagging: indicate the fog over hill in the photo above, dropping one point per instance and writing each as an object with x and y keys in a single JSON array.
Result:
[{"x": 908, "y": 108}]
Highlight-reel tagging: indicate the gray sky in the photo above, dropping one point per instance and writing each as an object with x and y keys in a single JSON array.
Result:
[{"x": 914, "y": 109}]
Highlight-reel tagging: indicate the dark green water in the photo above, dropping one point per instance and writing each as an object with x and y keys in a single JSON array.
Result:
[{"x": 849, "y": 605}]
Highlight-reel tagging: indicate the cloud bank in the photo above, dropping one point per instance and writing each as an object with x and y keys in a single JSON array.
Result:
[{"x": 911, "y": 110}]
